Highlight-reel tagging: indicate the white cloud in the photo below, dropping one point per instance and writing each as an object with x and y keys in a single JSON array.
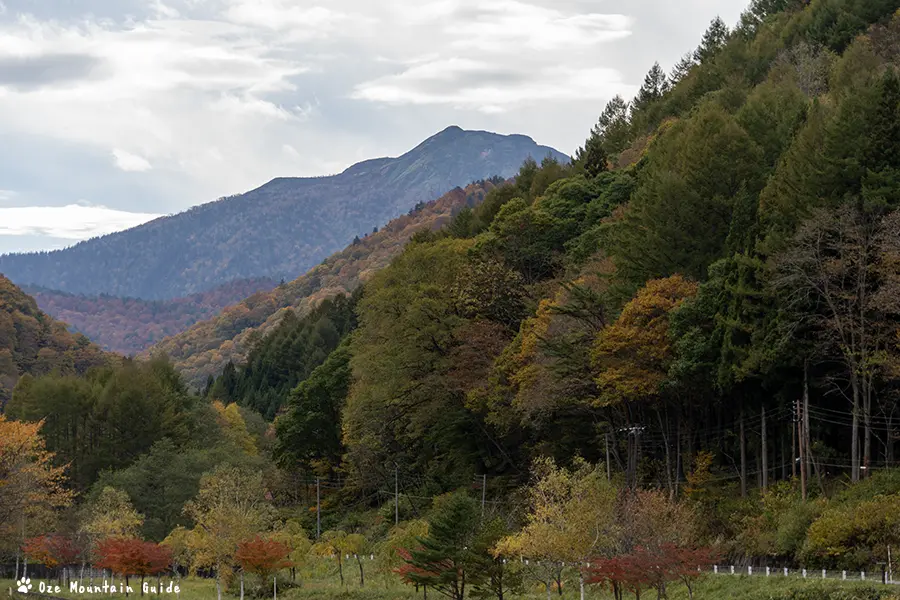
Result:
[
  {"x": 72, "y": 222},
  {"x": 494, "y": 55},
  {"x": 509, "y": 26},
  {"x": 302, "y": 22},
  {"x": 130, "y": 162},
  {"x": 214, "y": 97},
  {"x": 465, "y": 83}
]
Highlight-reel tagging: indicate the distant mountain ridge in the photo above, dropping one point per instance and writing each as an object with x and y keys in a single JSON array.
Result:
[
  {"x": 279, "y": 230},
  {"x": 129, "y": 325}
]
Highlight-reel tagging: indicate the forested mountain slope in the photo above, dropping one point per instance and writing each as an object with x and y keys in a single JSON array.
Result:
[
  {"x": 681, "y": 349},
  {"x": 32, "y": 342},
  {"x": 129, "y": 325},
  {"x": 205, "y": 349},
  {"x": 279, "y": 230}
]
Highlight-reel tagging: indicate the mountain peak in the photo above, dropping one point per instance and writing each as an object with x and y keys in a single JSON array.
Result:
[
  {"x": 451, "y": 130},
  {"x": 279, "y": 230}
]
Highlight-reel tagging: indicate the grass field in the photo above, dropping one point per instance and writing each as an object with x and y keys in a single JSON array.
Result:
[{"x": 722, "y": 587}]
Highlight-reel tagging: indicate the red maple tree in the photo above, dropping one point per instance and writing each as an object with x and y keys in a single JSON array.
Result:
[
  {"x": 263, "y": 557},
  {"x": 51, "y": 550},
  {"x": 649, "y": 568},
  {"x": 128, "y": 556}
]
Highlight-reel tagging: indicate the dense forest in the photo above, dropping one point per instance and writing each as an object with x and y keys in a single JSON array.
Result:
[
  {"x": 682, "y": 347},
  {"x": 33, "y": 343},
  {"x": 205, "y": 349},
  {"x": 130, "y": 325}
]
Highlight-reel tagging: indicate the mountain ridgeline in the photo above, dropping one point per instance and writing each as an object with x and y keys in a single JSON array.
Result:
[
  {"x": 130, "y": 325},
  {"x": 279, "y": 230}
]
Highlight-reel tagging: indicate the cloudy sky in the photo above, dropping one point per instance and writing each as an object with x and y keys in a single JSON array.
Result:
[{"x": 115, "y": 111}]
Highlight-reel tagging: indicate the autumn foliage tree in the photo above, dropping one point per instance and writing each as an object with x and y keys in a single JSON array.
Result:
[
  {"x": 52, "y": 551},
  {"x": 649, "y": 568},
  {"x": 129, "y": 556},
  {"x": 409, "y": 572},
  {"x": 263, "y": 557},
  {"x": 29, "y": 481},
  {"x": 632, "y": 357}
]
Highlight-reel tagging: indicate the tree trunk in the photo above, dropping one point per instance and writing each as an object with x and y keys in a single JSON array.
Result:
[
  {"x": 867, "y": 421},
  {"x": 802, "y": 453},
  {"x": 664, "y": 427},
  {"x": 784, "y": 458},
  {"x": 765, "y": 453},
  {"x": 854, "y": 437},
  {"x": 341, "y": 568},
  {"x": 362, "y": 579},
  {"x": 581, "y": 584},
  {"x": 810, "y": 460},
  {"x": 218, "y": 584},
  {"x": 889, "y": 441},
  {"x": 677, "y": 451},
  {"x": 242, "y": 584},
  {"x": 743, "y": 455}
]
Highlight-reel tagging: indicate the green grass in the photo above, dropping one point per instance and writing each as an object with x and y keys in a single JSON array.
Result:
[{"x": 722, "y": 587}]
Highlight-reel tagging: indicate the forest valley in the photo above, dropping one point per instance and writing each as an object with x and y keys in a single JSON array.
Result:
[{"x": 682, "y": 348}]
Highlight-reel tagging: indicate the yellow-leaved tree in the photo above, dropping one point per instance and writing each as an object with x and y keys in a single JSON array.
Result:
[
  {"x": 292, "y": 535},
  {"x": 229, "y": 508},
  {"x": 631, "y": 361},
  {"x": 235, "y": 427},
  {"x": 29, "y": 482},
  {"x": 333, "y": 544},
  {"x": 571, "y": 518}
]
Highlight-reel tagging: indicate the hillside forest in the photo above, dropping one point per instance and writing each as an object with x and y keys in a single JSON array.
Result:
[
  {"x": 680, "y": 349},
  {"x": 128, "y": 326}
]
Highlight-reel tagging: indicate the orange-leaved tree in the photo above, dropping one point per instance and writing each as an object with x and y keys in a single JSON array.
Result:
[
  {"x": 52, "y": 551},
  {"x": 263, "y": 557},
  {"x": 28, "y": 479},
  {"x": 129, "y": 556},
  {"x": 631, "y": 360}
]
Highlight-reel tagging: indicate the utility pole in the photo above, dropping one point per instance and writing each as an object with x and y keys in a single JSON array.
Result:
[
  {"x": 396, "y": 496},
  {"x": 483, "y": 492},
  {"x": 765, "y": 453},
  {"x": 801, "y": 445},
  {"x": 318, "y": 512}
]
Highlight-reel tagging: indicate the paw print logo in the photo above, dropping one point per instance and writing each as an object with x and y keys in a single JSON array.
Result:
[{"x": 24, "y": 585}]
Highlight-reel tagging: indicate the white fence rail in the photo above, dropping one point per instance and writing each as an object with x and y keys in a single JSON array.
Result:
[{"x": 885, "y": 577}]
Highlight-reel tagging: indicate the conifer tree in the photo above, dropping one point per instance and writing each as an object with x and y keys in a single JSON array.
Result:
[
  {"x": 682, "y": 69},
  {"x": 447, "y": 560},
  {"x": 656, "y": 84},
  {"x": 713, "y": 41}
]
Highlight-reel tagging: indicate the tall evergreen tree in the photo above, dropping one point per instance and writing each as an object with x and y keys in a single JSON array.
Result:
[
  {"x": 448, "y": 560},
  {"x": 682, "y": 69},
  {"x": 656, "y": 84},
  {"x": 713, "y": 41}
]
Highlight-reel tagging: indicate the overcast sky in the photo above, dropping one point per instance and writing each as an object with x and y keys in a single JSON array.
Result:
[{"x": 115, "y": 111}]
